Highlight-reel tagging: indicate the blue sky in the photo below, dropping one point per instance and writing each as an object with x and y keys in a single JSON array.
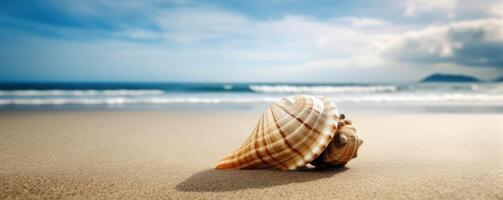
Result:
[{"x": 249, "y": 41}]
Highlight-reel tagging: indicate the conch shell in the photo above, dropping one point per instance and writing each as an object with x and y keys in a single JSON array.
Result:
[{"x": 295, "y": 132}]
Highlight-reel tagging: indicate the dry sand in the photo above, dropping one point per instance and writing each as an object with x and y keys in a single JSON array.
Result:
[{"x": 169, "y": 154}]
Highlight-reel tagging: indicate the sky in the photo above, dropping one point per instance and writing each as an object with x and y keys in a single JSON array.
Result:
[{"x": 249, "y": 41}]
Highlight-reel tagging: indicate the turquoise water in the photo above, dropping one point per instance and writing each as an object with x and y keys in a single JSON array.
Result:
[{"x": 244, "y": 95}]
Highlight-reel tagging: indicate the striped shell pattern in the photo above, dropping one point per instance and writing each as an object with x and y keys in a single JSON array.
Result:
[{"x": 295, "y": 132}]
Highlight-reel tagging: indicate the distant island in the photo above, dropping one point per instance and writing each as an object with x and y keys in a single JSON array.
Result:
[{"x": 450, "y": 78}]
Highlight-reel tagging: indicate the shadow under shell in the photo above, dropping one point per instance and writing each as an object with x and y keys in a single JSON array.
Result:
[{"x": 212, "y": 180}]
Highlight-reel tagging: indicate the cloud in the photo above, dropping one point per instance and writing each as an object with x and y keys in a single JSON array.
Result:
[
  {"x": 451, "y": 10},
  {"x": 415, "y": 7},
  {"x": 83, "y": 20},
  {"x": 172, "y": 39},
  {"x": 202, "y": 24},
  {"x": 467, "y": 43},
  {"x": 362, "y": 22},
  {"x": 357, "y": 61},
  {"x": 497, "y": 9}
]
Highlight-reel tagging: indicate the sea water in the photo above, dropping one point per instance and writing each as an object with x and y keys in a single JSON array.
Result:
[{"x": 464, "y": 96}]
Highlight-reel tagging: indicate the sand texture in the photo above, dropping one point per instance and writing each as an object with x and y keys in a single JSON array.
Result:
[{"x": 170, "y": 155}]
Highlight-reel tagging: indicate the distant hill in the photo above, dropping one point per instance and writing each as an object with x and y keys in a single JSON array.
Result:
[{"x": 449, "y": 78}]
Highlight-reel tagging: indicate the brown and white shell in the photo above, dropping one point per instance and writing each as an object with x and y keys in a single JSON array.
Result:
[{"x": 293, "y": 133}]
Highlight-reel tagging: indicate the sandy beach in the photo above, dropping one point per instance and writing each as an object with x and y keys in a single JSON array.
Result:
[{"x": 170, "y": 155}]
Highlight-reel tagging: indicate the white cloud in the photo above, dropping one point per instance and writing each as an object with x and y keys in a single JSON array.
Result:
[
  {"x": 196, "y": 25},
  {"x": 215, "y": 41},
  {"x": 467, "y": 43},
  {"x": 415, "y": 7},
  {"x": 497, "y": 9},
  {"x": 359, "y": 61},
  {"x": 293, "y": 39},
  {"x": 362, "y": 22},
  {"x": 452, "y": 10}
]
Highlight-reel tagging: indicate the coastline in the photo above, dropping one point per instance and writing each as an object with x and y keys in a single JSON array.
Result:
[{"x": 170, "y": 154}]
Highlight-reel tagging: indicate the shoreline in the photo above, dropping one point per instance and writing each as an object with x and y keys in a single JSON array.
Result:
[{"x": 362, "y": 108}]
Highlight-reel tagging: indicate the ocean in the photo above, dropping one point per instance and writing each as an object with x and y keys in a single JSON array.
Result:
[{"x": 467, "y": 96}]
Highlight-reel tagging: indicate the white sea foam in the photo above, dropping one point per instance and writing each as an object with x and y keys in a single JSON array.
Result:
[
  {"x": 80, "y": 92},
  {"x": 378, "y": 98},
  {"x": 123, "y": 100},
  {"x": 412, "y": 98},
  {"x": 284, "y": 89}
]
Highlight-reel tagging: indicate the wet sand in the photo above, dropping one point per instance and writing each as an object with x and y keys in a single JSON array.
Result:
[{"x": 170, "y": 154}]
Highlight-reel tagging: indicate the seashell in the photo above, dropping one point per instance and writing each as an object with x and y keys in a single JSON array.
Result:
[
  {"x": 343, "y": 147},
  {"x": 295, "y": 132}
]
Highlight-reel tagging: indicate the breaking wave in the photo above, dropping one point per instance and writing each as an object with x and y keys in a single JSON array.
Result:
[
  {"x": 80, "y": 92},
  {"x": 290, "y": 89},
  {"x": 243, "y": 93},
  {"x": 381, "y": 98}
]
